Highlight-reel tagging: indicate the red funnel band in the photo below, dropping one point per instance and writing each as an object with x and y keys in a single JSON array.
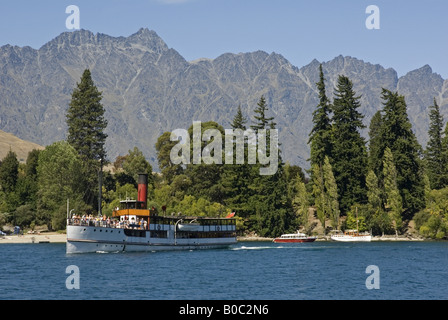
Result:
[
  {"x": 142, "y": 192},
  {"x": 143, "y": 188}
]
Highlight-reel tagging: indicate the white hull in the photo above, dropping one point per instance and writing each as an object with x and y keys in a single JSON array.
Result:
[
  {"x": 85, "y": 239},
  {"x": 344, "y": 238}
]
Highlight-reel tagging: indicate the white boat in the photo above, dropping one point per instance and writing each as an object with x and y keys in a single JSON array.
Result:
[
  {"x": 133, "y": 227},
  {"x": 294, "y": 238},
  {"x": 351, "y": 236}
]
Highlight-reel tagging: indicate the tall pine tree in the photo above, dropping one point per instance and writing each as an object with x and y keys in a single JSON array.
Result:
[
  {"x": 393, "y": 197},
  {"x": 331, "y": 190},
  {"x": 396, "y": 133},
  {"x": 236, "y": 177},
  {"x": 436, "y": 160},
  {"x": 349, "y": 155},
  {"x": 375, "y": 144},
  {"x": 86, "y": 125},
  {"x": 320, "y": 196},
  {"x": 9, "y": 172},
  {"x": 269, "y": 193},
  {"x": 320, "y": 135},
  {"x": 262, "y": 120},
  {"x": 300, "y": 202},
  {"x": 239, "y": 121}
]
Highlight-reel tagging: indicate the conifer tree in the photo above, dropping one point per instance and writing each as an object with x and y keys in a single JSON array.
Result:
[
  {"x": 320, "y": 135},
  {"x": 239, "y": 121},
  {"x": 9, "y": 172},
  {"x": 86, "y": 125},
  {"x": 396, "y": 133},
  {"x": 300, "y": 202},
  {"x": 349, "y": 156},
  {"x": 373, "y": 190},
  {"x": 435, "y": 153},
  {"x": 206, "y": 178},
  {"x": 262, "y": 120},
  {"x": 393, "y": 197},
  {"x": 269, "y": 193},
  {"x": 236, "y": 177},
  {"x": 320, "y": 199},
  {"x": 331, "y": 191},
  {"x": 375, "y": 144}
]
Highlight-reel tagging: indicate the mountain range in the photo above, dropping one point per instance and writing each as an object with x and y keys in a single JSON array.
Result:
[{"x": 149, "y": 88}]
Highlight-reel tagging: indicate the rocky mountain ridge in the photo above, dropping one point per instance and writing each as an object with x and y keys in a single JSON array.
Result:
[{"x": 149, "y": 88}]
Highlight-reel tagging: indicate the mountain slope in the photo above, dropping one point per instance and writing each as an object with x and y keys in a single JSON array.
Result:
[
  {"x": 149, "y": 88},
  {"x": 21, "y": 147}
]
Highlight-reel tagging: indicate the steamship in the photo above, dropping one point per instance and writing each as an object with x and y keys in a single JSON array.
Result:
[{"x": 134, "y": 227}]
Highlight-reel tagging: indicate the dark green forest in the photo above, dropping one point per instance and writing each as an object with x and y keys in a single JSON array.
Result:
[{"x": 379, "y": 183}]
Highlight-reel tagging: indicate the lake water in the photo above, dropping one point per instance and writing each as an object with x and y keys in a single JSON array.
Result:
[{"x": 247, "y": 270}]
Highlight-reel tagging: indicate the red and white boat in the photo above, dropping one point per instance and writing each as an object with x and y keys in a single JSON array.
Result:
[{"x": 293, "y": 238}]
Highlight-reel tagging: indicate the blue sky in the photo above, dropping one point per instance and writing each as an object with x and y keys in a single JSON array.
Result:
[{"x": 412, "y": 33}]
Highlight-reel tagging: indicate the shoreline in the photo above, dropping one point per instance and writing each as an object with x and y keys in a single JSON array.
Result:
[
  {"x": 327, "y": 238},
  {"x": 53, "y": 237}
]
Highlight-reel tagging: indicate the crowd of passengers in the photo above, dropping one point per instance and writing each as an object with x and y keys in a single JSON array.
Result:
[{"x": 104, "y": 221}]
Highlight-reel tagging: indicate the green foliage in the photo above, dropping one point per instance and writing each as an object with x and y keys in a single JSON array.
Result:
[
  {"x": 373, "y": 190},
  {"x": 376, "y": 147},
  {"x": 432, "y": 222},
  {"x": 435, "y": 155},
  {"x": 325, "y": 192},
  {"x": 136, "y": 163},
  {"x": 349, "y": 155},
  {"x": 393, "y": 197},
  {"x": 376, "y": 217},
  {"x": 198, "y": 189},
  {"x": 319, "y": 194},
  {"x": 111, "y": 198},
  {"x": 59, "y": 178},
  {"x": 86, "y": 125},
  {"x": 24, "y": 215},
  {"x": 163, "y": 148},
  {"x": 331, "y": 194},
  {"x": 355, "y": 220},
  {"x": 239, "y": 121},
  {"x": 18, "y": 201},
  {"x": 9, "y": 172},
  {"x": 320, "y": 136},
  {"x": 262, "y": 121},
  {"x": 396, "y": 133},
  {"x": 200, "y": 207},
  {"x": 85, "y": 120},
  {"x": 300, "y": 201}
]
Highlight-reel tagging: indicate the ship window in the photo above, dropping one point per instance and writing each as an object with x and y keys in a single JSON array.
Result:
[
  {"x": 135, "y": 233},
  {"x": 158, "y": 234}
]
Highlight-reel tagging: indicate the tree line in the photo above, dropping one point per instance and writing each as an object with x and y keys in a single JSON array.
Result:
[
  {"x": 388, "y": 180},
  {"x": 377, "y": 185}
]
